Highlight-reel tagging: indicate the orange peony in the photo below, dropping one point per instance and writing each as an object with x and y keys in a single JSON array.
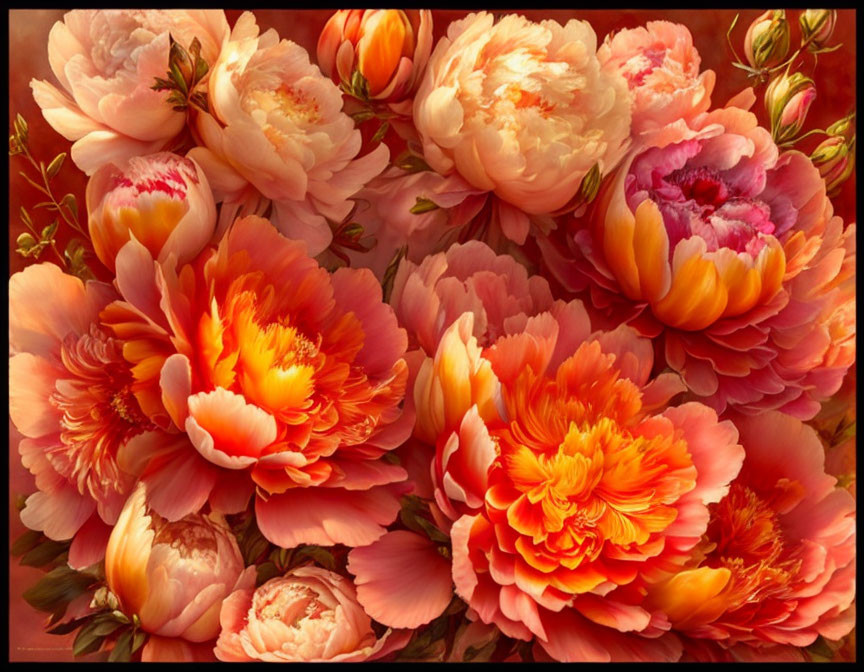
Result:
[{"x": 284, "y": 378}]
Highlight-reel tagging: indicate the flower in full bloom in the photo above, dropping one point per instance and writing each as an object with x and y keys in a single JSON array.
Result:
[
  {"x": 389, "y": 47},
  {"x": 70, "y": 396},
  {"x": 733, "y": 254},
  {"x": 161, "y": 199},
  {"x": 107, "y": 61},
  {"x": 284, "y": 378},
  {"x": 173, "y": 575},
  {"x": 276, "y": 130},
  {"x": 661, "y": 67},
  {"x": 308, "y": 615},
  {"x": 767, "y": 40},
  {"x": 521, "y": 109},
  {"x": 777, "y": 564}
]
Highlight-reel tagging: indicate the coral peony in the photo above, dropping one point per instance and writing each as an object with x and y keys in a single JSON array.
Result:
[
  {"x": 522, "y": 109},
  {"x": 276, "y": 129},
  {"x": 734, "y": 255},
  {"x": 308, "y": 615},
  {"x": 161, "y": 199},
  {"x": 107, "y": 61},
  {"x": 569, "y": 491},
  {"x": 282, "y": 376},
  {"x": 70, "y": 396},
  {"x": 777, "y": 564},
  {"x": 388, "y": 47},
  {"x": 173, "y": 576},
  {"x": 661, "y": 66}
]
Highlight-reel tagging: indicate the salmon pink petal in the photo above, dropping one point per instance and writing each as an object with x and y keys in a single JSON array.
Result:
[
  {"x": 231, "y": 492},
  {"x": 713, "y": 447},
  {"x": 362, "y": 475},
  {"x": 31, "y": 384},
  {"x": 59, "y": 514},
  {"x": 88, "y": 546},
  {"x": 179, "y": 484},
  {"x": 464, "y": 576},
  {"x": 175, "y": 650},
  {"x": 401, "y": 579},
  {"x": 175, "y": 380},
  {"x": 327, "y": 516},
  {"x": 228, "y": 431}
]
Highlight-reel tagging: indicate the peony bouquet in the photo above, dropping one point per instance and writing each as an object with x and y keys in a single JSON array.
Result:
[{"x": 447, "y": 336}]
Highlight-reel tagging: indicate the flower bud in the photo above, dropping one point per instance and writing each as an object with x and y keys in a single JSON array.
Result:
[
  {"x": 788, "y": 99},
  {"x": 817, "y": 26},
  {"x": 767, "y": 40},
  {"x": 842, "y": 126},
  {"x": 835, "y": 159},
  {"x": 162, "y": 199},
  {"x": 387, "y": 47},
  {"x": 173, "y": 575}
]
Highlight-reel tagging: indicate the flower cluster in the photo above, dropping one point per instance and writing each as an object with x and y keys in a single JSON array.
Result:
[{"x": 513, "y": 345}]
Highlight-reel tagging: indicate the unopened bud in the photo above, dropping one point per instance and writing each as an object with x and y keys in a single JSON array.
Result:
[
  {"x": 788, "y": 99},
  {"x": 835, "y": 159},
  {"x": 767, "y": 40},
  {"x": 843, "y": 126},
  {"x": 817, "y": 26}
]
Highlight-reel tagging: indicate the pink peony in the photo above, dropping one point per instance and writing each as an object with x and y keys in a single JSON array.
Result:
[
  {"x": 521, "y": 109},
  {"x": 777, "y": 563},
  {"x": 276, "y": 131},
  {"x": 107, "y": 61},
  {"x": 70, "y": 396},
  {"x": 173, "y": 576},
  {"x": 308, "y": 615},
  {"x": 269, "y": 375},
  {"x": 661, "y": 67},
  {"x": 161, "y": 199},
  {"x": 732, "y": 256}
]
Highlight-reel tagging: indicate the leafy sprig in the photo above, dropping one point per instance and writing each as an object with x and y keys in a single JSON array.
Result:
[{"x": 186, "y": 70}]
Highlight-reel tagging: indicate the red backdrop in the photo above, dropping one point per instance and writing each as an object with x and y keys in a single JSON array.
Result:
[{"x": 28, "y": 35}]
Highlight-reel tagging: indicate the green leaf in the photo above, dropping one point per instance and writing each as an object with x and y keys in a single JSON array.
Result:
[
  {"x": 71, "y": 204},
  {"x": 49, "y": 231},
  {"x": 381, "y": 132},
  {"x": 362, "y": 115},
  {"x": 55, "y": 165},
  {"x": 25, "y": 217},
  {"x": 122, "y": 651},
  {"x": 320, "y": 555},
  {"x": 44, "y": 553},
  {"x": 27, "y": 541},
  {"x": 66, "y": 628},
  {"x": 390, "y": 272},
  {"x": 138, "y": 640},
  {"x": 178, "y": 79},
  {"x": 265, "y": 572},
  {"x": 423, "y": 205},
  {"x": 57, "y": 588},
  {"x": 75, "y": 254},
  {"x": 25, "y": 243},
  {"x": 91, "y": 636}
]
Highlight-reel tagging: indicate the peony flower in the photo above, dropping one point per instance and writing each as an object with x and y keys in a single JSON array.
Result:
[
  {"x": 107, "y": 61},
  {"x": 388, "y": 47},
  {"x": 733, "y": 255},
  {"x": 163, "y": 200},
  {"x": 521, "y": 109},
  {"x": 308, "y": 615},
  {"x": 468, "y": 278},
  {"x": 276, "y": 130},
  {"x": 661, "y": 67},
  {"x": 173, "y": 576},
  {"x": 285, "y": 379},
  {"x": 391, "y": 222},
  {"x": 767, "y": 40},
  {"x": 70, "y": 396},
  {"x": 777, "y": 565}
]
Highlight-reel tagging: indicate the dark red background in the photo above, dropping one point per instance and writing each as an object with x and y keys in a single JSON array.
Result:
[{"x": 28, "y": 35}]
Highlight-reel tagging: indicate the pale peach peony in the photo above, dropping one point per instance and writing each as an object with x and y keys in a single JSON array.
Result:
[
  {"x": 777, "y": 563},
  {"x": 270, "y": 375},
  {"x": 521, "y": 109},
  {"x": 107, "y": 62},
  {"x": 173, "y": 575},
  {"x": 308, "y": 615},
  {"x": 276, "y": 131},
  {"x": 729, "y": 253},
  {"x": 162, "y": 199},
  {"x": 70, "y": 396},
  {"x": 661, "y": 67}
]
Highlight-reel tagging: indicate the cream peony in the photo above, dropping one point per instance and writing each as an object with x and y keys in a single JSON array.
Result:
[
  {"x": 276, "y": 130},
  {"x": 522, "y": 109},
  {"x": 106, "y": 61}
]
